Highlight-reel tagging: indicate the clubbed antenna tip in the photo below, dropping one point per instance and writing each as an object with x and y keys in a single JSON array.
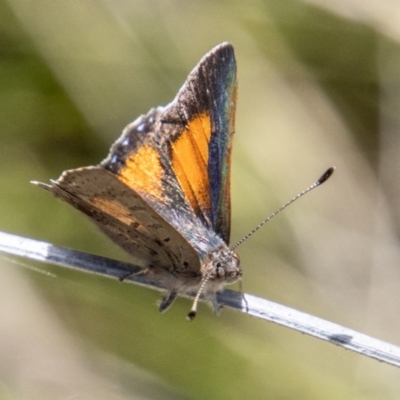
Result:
[
  {"x": 191, "y": 315},
  {"x": 327, "y": 174}
]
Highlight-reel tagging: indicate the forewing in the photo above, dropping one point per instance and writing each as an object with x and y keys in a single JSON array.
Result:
[{"x": 179, "y": 155}]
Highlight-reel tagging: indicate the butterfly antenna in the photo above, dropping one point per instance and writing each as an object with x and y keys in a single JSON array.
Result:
[
  {"x": 193, "y": 310},
  {"x": 328, "y": 173}
]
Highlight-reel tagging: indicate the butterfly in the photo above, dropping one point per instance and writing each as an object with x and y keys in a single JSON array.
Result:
[{"x": 163, "y": 192}]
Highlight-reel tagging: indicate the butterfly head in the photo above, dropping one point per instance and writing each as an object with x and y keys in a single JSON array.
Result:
[{"x": 222, "y": 265}]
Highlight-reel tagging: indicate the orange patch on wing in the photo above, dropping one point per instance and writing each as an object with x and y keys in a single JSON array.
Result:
[
  {"x": 190, "y": 161},
  {"x": 143, "y": 172},
  {"x": 114, "y": 208},
  {"x": 117, "y": 210}
]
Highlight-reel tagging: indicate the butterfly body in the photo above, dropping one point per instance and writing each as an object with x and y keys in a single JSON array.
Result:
[{"x": 163, "y": 192}]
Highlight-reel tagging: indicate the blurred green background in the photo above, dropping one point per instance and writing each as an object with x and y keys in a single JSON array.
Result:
[{"x": 318, "y": 86}]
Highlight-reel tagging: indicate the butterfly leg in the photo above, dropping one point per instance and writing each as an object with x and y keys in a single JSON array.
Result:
[
  {"x": 129, "y": 274},
  {"x": 217, "y": 307},
  {"x": 167, "y": 300},
  {"x": 243, "y": 297}
]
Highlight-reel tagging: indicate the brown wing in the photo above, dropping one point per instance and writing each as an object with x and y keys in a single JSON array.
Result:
[
  {"x": 180, "y": 154},
  {"x": 201, "y": 151},
  {"x": 126, "y": 218}
]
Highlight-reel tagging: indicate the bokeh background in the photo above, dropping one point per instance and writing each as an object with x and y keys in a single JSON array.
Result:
[{"x": 318, "y": 86}]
